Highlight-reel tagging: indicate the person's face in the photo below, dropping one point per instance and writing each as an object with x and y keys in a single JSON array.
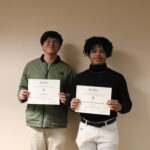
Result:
[
  {"x": 51, "y": 46},
  {"x": 97, "y": 55}
]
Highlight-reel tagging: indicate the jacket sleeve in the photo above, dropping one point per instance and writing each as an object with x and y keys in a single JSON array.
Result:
[
  {"x": 23, "y": 83},
  {"x": 73, "y": 88},
  {"x": 67, "y": 86},
  {"x": 124, "y": 97}
]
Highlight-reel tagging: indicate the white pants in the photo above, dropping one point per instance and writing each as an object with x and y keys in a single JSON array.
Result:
[
  {"x": 46, "y": 138},
  {"x": 94, "y": 138}
]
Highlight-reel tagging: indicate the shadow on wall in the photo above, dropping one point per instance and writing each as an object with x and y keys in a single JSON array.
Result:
[
  {"x": 72, "y": 55},
  {"x": 72, "y": 130},
  {"x": 131, "y": 125},
  {"x": 124, "y": 63}
]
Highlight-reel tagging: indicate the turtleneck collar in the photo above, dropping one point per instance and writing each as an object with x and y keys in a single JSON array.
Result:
[{"x": 98, "y": 68}]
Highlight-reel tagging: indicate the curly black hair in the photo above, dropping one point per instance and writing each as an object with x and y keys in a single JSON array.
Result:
[
  {"x": 97, "y": 40},
  {"x": 51, "y": 34}
]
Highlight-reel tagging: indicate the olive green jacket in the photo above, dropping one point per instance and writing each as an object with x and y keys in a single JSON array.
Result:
[{"x": 47, "y": 116}]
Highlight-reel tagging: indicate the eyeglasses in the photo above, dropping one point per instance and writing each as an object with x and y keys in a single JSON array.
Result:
[{"x": 55, "y": 42}]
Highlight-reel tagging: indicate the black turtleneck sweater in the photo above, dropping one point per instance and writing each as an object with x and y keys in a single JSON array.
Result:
[{"x": 102, "y": 76}]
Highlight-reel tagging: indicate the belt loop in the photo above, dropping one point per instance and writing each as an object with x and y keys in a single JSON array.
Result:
[
  {"x": 105, "y": 123},
  {"x": 86, "y": 122}
]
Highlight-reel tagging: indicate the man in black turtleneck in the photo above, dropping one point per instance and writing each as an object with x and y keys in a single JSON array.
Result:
[{"x": 99, "y": 132}]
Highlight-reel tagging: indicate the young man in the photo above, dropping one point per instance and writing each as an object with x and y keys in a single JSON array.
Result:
[
  {"x": 47, "y": 123},
  {"x": 99, "y": 132}
]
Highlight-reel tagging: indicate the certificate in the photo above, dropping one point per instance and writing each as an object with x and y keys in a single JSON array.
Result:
[
  {"x": 93, "y": 99},
  {"x": 44, "y": 91}
]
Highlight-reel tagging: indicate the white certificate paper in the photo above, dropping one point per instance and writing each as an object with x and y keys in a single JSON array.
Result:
[
  {"x": 44, "y": 91},
  {"x": 93, "y": 99}
]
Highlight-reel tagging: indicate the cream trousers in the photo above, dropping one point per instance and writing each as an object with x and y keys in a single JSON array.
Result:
[
  {"x": 46, "y": 138},
  {"x": 94, "y": 138}
]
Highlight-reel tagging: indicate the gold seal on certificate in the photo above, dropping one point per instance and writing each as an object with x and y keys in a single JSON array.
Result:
[
  {"x": 44, "y": 91},
  {"x": 93, "y": 100}
]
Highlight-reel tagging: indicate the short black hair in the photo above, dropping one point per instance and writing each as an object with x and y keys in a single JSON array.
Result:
[
  {"x": 97, "y": 40},
  {"x": 51, "y": 34}
]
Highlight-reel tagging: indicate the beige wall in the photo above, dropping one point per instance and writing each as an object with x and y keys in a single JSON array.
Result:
[{"x": 125, "y": 22}]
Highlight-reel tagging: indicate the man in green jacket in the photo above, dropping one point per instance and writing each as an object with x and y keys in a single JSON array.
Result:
[{"x": 47, "y": 123}]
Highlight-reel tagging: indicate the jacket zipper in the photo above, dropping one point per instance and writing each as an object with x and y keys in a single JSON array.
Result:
[{"x": 46, "y": 77}]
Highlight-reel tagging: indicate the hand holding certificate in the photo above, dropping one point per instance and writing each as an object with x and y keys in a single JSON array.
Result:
[
  {"x": 93, "y": 99},
  {"x": 44, "y": 91}
]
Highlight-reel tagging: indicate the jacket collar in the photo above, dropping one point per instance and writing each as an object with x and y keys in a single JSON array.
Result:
[{"x": 55, "y": 61}]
